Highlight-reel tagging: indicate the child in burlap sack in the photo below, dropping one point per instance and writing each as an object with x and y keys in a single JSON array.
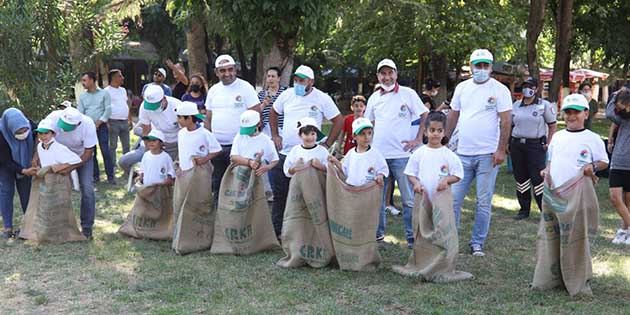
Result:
[
  {"x": 570, "y": 207},
  {"x": 432, "y": 169}
]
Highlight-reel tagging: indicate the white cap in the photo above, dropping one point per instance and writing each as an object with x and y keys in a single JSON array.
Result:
[
  {"x": 153, "y": 96},
  {"x": 360, "y": 124},
  {"x": 154, "y": 134},
  {"x": 250, "y": 118},
  {"x": 65, "y": 104},
  {"x": 575, "y": 101},
  {"x": 481, "y": 55},
  {"x": 304, "y": 72},
  {"x": 309, "y": 121},
  {"x": 186, "y": 108},
  {"x": 69, "y": 119},
  {"x": 224, "y": 60},
  {"x": 386, "y": 63},
  {"x": 45, "y": 125},
  {"x": 162, "y": 71}
]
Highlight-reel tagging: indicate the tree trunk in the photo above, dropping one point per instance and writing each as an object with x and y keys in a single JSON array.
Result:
[
  {"x": 563, "y": 38},
  {"x": 535, "y": 23},
  {"x": 419, "y": 75},
  {"x": 282, "y": 55},
  {"x": 440, "y": 73},
  {"x": 195, "y": 43}
]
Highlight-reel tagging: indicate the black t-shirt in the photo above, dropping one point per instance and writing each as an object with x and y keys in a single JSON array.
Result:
[
  {"x": 179, "y": 90},
  {"x": 427, "y": 99}
]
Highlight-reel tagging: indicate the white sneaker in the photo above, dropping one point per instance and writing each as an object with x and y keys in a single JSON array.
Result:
[
  {"x": 621, "y": 237},
  {"x": 392, "y": 210},
  {"x": 476, "y": 250}
]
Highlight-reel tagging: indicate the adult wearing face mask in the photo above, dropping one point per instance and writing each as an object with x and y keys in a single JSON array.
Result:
[
  {"x": 16, "y": 153},
  {"x": 431, "y": 90},
  {"x": 482, "y": 106},
  {"x": 533, "y": 126},
  {"x": 587, "y": 90},
  {"x": 197, "y": 92}
]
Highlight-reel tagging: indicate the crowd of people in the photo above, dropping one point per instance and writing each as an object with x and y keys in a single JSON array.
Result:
[{"x": 395, "y": 136}]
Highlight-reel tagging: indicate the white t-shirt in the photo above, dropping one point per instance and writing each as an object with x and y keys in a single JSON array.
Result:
[
  {"x": 317, "y": 105},
  {"x": 479, "y": 106},
  {"x": 392, "y": 114},
  {"x": 156, "y": 168},
  {"x": 570, "y": 151},
  {"x": 362, "y": 168},
  {"x": 81, "y": 138},
  {"x": 162, "y": 120},
  {"x": 298, "y": 152},
  {"x": 227, "y": 103},
  {"x": 430, "y": 165},
  {"x": 120, "y": 109},
  {"x": 249, "y": 147},
  {"x": 199, "y": 142},
  {"x": 56, "y": 153}
]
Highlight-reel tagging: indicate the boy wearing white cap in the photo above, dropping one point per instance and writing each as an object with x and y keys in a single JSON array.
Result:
[
  {"x": 482, "y": 111},
  {"x": 251, "y": 147},
  {"x": 309, "y": 150},
  {"x": 51, "y": 152},
  {"x": 196, "y": 144},
  {"x": 362, "y": 164},
  {"x": 158, "y": 112},
  {"x": 156, "y": 166}
]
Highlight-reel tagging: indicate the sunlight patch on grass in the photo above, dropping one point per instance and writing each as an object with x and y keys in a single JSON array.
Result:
[
  {"x": 13, "y": 279},
  {"x": 612, "y": 266}
]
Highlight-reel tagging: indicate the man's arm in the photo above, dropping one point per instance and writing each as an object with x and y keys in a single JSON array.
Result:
[
  {"x": 107, "y": 104},
  {"x": 273, "y": 124},
  {"x": 178, "y": 74},
  {"x": 451, "y": 122},
  {"x": 86, "y": 156},
  {"x": 506, "y": 123},
  {"x": 334, "y": 132},
  {"x": 145, "y": 129},
  {"x": 208, "y": 122},
  {"x": 418, "y": 140}
]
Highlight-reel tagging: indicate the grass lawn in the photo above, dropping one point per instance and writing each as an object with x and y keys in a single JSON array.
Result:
[{"x": 114, "y": 274}]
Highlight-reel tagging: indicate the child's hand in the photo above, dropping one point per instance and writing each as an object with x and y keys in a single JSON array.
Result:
[
  {"x": 32, "y": 171},
  {"x": 380, "y": 180},
  {"x": 332, "y": 159},
  {"x": 417, "y": 188},
  {"x": 318, "y": 165},
  {"x": 254, "y": 164},
  {"x": 442, "y": 184},
  {"x": 200, "y": 160},
  {"x": 588, "y": 170},
  {"x": 169, "y": 181},
  {"x": 263, "y": 169}
]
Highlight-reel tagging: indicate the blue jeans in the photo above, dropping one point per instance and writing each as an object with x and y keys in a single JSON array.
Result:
[
  {"x": 102, "y": 133},
  {"x": 88, "y": 200},
  {"x": 8, "y": 182},
  {"x": 480, "y": 167},
  {"x": 397, "y": 171}
]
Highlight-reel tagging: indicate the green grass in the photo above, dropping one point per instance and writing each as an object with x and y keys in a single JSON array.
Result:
[{"x": 118, "y": 275}]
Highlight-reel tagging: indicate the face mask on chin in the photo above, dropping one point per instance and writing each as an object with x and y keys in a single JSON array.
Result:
[
  {"x": 388, "y": 88},
  {"x": 587, "y": 95},
  {"x": 434, "y": 93},
  {"x": 22, "y": 136}
]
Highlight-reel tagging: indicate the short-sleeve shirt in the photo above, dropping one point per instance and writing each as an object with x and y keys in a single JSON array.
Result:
[
  {"x": 120, "y": 108},
  {"x": 199, "y": 142},
  {"x": 156, "y": 168},
  {"x": 265, "y": 111},
  {"x": 349, "y": 143},
  {"x": 200, "y": 101},
  {"x": 164, "y": 120},
  {"x": 316, "y": 104},
  {"x": 253, "y": 147},
  {"x": 569, "y": 152},
  {"x": 362, "y": 168},
  {"x": 56, "y": 154},
  {"x": 81, "y": 138},
  {"x": 227, "y": 103},
  {"x": 531, "y": 121},
  {"x": 96, "y": 105},
  {"x": 479, "y": 106},
  {"x": 392, "y": 113},
  {"x": 429, "y": 165},
  {"x": 299, "y": 152}
]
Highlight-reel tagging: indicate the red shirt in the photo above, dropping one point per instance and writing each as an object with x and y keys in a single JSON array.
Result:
[{"x": 347, "y": 129}]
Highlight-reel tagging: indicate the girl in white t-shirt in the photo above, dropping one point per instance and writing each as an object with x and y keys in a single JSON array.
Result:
[
  {"x": 156, "y": 167},
  {"x": 309, "y": 150},
  {"x": 433, "y": 167}
]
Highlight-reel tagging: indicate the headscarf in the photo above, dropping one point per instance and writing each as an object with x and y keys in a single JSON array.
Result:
[{"x": 22, "y": 150}]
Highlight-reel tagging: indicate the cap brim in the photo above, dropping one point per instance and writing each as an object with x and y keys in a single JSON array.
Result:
[
  {"x": 575, "y": 107},
  {"x": 359, "y": 129},
  {"x": 200, "y": 116},
  {"x": 151, "y": 138},
  {"x": 388, "y": 66},
  {"x": 151, "y": 106},
  {"x": 474, "y": 62},
  {"x": 301, "y": 75},
  {"x": 65, "y": 126},
  {"x": 320, "y": 135},
  {"x": 43, "y": 130},
  {"x": 246, "y": 131}
]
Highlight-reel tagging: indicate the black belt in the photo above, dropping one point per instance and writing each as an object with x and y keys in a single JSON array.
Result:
[{"x": 528, "y": 141}]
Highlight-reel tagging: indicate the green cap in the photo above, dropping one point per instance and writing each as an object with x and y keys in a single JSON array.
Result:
[
  {"x": 65, "y": 126},
  {"x": 43, "y": 130},
  {"x": 150, "y": 138},
  {"x": 152, "y": 106},
  {"x": 247, "y": 131}
]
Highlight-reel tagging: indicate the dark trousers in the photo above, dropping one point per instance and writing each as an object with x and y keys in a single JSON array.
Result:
[
  {"x": 280, "y": 187},
  {"x": 220, "y": 164},
  {"x": 528, "y": 159},
  {"x": 9, "y": 180},
  {"x": 102, "y": 133}
]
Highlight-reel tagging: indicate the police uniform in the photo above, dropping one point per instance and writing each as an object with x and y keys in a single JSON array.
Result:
[{"x": 529, "y": 135}]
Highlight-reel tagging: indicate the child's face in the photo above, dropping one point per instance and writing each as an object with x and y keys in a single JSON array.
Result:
[
  {"x": 575, "y": 118},
  {"x": 435, "y": 133},
  {"x": 358, "y": 108},
  {"x": 45, "y": 137},
  {"x": 309, "y": 138},
  {"x": 364, "y": 138},
  {"x": 183, "y": 121},
  {"x": 153, "y": 145}
]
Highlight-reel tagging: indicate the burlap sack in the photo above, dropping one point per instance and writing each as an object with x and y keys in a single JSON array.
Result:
[
  {"x": 152, "y": 213},
  {"x": 243, "y": 223},
  {"x": 49, "y": 216},
  {"x": 353, "y": 214},
  {"x": 193, "y": 210},
  {"x": 436, "y": 242},
  {"x": 570, "y": 214},
  {"x": 305, "y": 233}
]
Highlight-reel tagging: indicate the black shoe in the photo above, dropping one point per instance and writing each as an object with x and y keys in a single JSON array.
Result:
[
  {"x": 87, "y": 232},
  {"x": 111, "y": 181},
  {"x": 410, "y": 242},
  {"x": 521, "y": 216},
  {"x": 7, "y": 235}
]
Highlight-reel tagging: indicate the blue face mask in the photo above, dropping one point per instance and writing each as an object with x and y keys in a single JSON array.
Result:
[
  {"x": 480, "y": 75},
  {"x": 300, "y": 90}
]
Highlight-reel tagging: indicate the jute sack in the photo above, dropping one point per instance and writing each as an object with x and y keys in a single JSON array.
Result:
[
  {"x": 353, "y": 215},
  {"x": 305, "y": 232},
  {"x": 243, "y": 223},
  {"x": 49, "y": 216},
  {"x": 436, "y": 244},
  {"x": 193, "y": 210},
  {"x": 563, "y": 256},
  {"x": 152, "y": 213}
]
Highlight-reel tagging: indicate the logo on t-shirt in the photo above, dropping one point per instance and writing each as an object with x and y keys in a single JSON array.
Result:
[
  {"x": 371, "y": 173},
  {"x": 202, "y": 149},
  {"x": 314, "y": 112},
  {"x": 443, "y": 170},
  {"x": 535, "y": 114},
  {"x": 404, "y": 110},
  {"x": 491, "y": 103},
  {"x": 163, "y": 172},
  {"x": 584, "y": 157},
  {"x": 238, "y": 101}
]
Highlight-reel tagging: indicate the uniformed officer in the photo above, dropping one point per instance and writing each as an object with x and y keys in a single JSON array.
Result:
[{"x": 533, "y": 125}]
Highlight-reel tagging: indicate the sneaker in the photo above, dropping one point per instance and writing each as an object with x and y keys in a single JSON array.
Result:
[
  {"x": 521, "y": 216},
  {"x": 380, "y": 239},
  {"x": 476, "y": 250},
  {"x": 87, "y": 232},
  {"x": 621, "y": 237},
  {"x": 269, "y": 196},
  {"x": 392, "y": 210},
  {"x": 410, "y": 242}
]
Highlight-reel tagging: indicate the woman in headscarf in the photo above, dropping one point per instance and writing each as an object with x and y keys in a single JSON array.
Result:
[{"x": 16, "y": 153}]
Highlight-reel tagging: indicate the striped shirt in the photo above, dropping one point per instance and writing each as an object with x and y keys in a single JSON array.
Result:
[{"x": 265, "y": 111}]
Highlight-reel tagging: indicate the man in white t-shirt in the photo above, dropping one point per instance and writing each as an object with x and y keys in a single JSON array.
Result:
[
  {"x": 158, "y": 111},
  {"x": 302, "y": 100},
  {"x": 78, "y": 133},
  {"x": 393, "y": 108},
  {"x": 225, "y": 102},
  {"x": 119, "y": 121},
  {"x": 481, "y": 110}
]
